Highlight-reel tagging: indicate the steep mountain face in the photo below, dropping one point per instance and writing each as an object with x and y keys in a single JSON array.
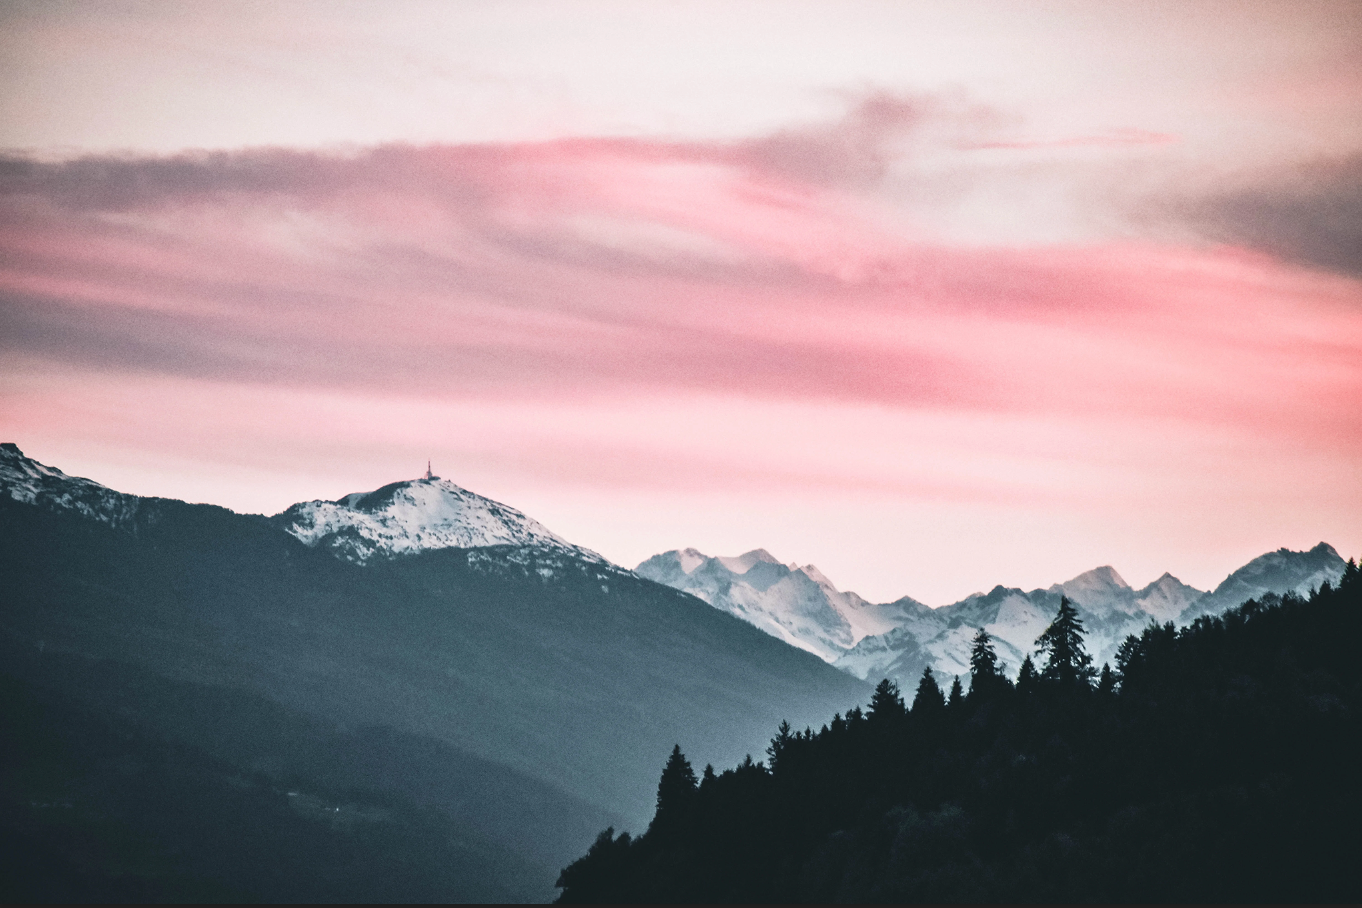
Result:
[
  {"x": 403, "y": 518},
  {"x": 522, "y": 692},
  {"x": 797, "y": 604}
]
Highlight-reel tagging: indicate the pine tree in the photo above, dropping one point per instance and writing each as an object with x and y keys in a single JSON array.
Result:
[
  {"x": 957, "y": 697},
  {"x": 983, "y": 659},
  {"x": 1027, "y": 679},
  {"x": 1067, "y": 662},
  {"x": 885, "y": 703},
  {"x": 929, "y": 699},
  {"x": 675, "y": 791},
  {"x": 779, "y": 743},
  {"x": 1106, "y": 684},
  {"x": 1127, "y": 654},
  {"x": 1350, "y": 575},
  {"x": 985, "y": 676}
]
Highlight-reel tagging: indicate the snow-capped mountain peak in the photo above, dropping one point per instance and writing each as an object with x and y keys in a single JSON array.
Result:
[
  {"x": 1166, "y": 598},
  {"x": 1278, "y": 572},
  {"x": 690, "y": 559},
  {"x": 744, "y": 562},
  {"x": 403, "y": 518},
  {"x": 1098, "y": 589},
  {"x": 796, "y": 603},
  {"x": 816, "y": 576},
  {"x": 25, "y": 479}
]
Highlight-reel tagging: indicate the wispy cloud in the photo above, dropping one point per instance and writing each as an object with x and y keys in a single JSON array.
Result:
[
  {"x": 1308, "y": 212},
  {"x": 754, "y": 267},
  {"x": 674, "y": 316}
]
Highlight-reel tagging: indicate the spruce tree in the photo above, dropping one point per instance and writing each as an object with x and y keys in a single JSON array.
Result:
[
  {"x": 886, "y": 703},
  {"x": 985, "y": 676},
  {"x": 675, "y": 791},
  {"x": 1350, "y": 575},
  {"x": 929, "y": 699},
  {"x": 779, "y": 743},
  {"x": 1027, "y": 679},
  {"x": 957, "y": 696},
  {"x": 1067, "y": 662}
]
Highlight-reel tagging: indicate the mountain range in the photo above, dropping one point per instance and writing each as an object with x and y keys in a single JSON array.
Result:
[
  {"x": 417, "y": 693},
  {"x": 410, "y": 694},
  {"x": 897, "y": 640}
]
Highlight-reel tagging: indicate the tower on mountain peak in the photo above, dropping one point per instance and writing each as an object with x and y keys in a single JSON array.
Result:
[{"x": 430, "y": 475}]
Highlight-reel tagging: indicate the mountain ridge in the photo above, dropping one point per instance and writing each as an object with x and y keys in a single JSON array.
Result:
[
  {"x": 410, "y": 516},
  {"x": 567, "y": 669},
  {"x": 920, "y": 636}
]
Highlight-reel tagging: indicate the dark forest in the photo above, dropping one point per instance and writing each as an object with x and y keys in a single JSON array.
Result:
[{"x": 1215, "y": 763}]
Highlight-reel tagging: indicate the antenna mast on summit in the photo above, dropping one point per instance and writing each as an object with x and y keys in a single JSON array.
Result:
[{"x": 429, "y": 475}]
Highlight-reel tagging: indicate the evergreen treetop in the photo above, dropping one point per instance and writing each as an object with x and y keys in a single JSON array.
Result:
[
  {"x": 986, "y": 676},
  {"x": 675, "y": 791},
  {"x": 886, "y": 703},
  {"x": 983, "y": 659},
  {"x": 1067, "y": 661},
  {"x": 929, "y": 699}
]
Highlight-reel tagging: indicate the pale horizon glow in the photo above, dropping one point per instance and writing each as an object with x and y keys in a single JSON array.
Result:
[{"x": 933, "y": 296}]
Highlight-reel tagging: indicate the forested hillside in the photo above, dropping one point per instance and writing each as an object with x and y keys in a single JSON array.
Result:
[{"x": 1213, "y": 763}]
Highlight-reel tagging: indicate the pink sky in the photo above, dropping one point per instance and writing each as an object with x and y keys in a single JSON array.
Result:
[{"x": 934, "y": 296}]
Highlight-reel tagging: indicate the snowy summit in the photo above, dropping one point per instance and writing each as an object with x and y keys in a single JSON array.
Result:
[{"x": 403, "y": 518}]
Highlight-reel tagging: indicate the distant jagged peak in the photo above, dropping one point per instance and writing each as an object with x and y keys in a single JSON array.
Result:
[
  {"x": 814, "y": 574},
  {"x": 1166, "y": 583},
  {"x": 416, "y": 515},
  {"x": 1104, "y": 577},
  {"x": 1280, "y": 572},
  {"x": 688, "y": 559},
  {"x": 1322, "y": 553},
  {"x": 743, "y": 563}
]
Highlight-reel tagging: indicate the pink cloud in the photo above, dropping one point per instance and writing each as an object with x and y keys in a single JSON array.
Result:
[
  {"x": 664, "y": 316},
  {"x": 592, "y": 265}
]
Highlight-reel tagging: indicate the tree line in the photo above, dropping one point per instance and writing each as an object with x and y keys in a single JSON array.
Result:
[{"x": 1217, "y": 762}]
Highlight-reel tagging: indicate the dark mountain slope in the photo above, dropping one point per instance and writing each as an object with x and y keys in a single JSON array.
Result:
[
  {"x": 453, "y": 658},
  {"x": 95, "y": 807}
]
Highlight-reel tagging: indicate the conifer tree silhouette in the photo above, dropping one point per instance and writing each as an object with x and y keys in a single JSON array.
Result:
[
  {"x": 1067, "y": 662},
  {"x": 1027, "y": 679},
  {"x": 675, "y": 792},
  {"x": 929, "y": 699},
  {"x": 778, "y": 744},
  {"x": 886, "y": 703},
  {"x": 986, "y": 678}
]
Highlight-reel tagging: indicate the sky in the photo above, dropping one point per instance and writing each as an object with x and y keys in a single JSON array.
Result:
[{"x": 935, "y": 296}]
